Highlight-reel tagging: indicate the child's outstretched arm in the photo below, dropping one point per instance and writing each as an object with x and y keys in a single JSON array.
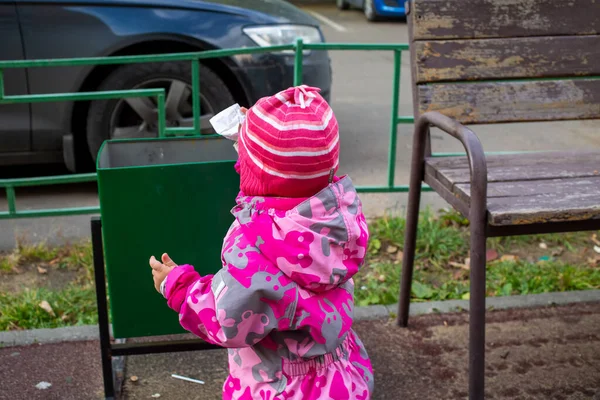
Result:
[{"x": 217, "y": 309}]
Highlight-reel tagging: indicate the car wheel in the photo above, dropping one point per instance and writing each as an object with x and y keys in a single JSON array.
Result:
[
  {"x": 137, "y": 117},
  {"x": 369, "y": 10},
  {"x": 342, "y": 4}
]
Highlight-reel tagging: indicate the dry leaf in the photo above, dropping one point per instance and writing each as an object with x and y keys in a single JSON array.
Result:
[
  {"x": 543, "y": 246},
  {"x": 458, "y": 275},
  {"x": 134, "y": 378},
  {"x": 445, "y": 323},
  {"x": 44, "y": 305},
  {"x": 491, "y": 255},
  {"x": 597, "y": 249},
  {"x": 467, "y": 264},
  {"x": 65, "y": 317},
  {"x": 595, "y": 239},
  {"x": 456, "y": 265},
  {"x": 509, "y": 257},
  {"x": 42, "y": 270},
  {"x": 391, "y": 249},
  {"x": 399, "y": 255}
]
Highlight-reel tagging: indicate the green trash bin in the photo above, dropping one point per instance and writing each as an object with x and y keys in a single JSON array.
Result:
[{"x": 161, "y": 195}]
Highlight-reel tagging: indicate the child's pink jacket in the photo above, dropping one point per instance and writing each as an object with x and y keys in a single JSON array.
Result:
[{"x": 283, "y": 301}]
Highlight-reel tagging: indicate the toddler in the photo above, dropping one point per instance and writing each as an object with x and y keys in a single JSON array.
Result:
[{"x": 283, "y": 301}]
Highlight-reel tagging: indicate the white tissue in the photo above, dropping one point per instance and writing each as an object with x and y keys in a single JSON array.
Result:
[{"x": 227, "y": 122}]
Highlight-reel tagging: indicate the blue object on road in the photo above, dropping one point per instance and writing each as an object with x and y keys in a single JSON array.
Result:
[{"x": 375, "y": 9}]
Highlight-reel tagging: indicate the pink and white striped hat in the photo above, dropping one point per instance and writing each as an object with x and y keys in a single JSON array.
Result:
[{"x": 289, "y": 145}]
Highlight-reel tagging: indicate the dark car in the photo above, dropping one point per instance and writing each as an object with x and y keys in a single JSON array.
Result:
[{"x": 73, "y": 132}]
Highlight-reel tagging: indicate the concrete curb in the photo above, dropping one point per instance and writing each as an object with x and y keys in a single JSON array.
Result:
[
  {"x": 90, "y": 332},
  {"x": 492, "y": 303}
]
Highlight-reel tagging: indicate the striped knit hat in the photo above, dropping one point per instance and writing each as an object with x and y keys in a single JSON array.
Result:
[{"x": 289, "y": 145}]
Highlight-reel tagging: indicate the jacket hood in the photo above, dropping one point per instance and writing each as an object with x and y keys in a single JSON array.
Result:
[{"x": 318, "y": 242}]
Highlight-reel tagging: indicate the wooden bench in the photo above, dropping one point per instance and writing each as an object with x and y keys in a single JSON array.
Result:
[{"x": 501, "y": 61}]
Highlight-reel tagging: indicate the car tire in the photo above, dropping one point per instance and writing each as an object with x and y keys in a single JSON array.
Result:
[
  {"x": 103, "y": 118},
  {"x": 370, "y": 11},
  {"x": 342, "y": 4}
]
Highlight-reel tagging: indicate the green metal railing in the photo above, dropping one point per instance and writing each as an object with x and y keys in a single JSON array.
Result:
[{"x": 163, "y": 131}]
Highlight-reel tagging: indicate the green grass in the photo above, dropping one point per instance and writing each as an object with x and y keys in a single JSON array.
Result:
[
  {"x": 567, "y": 263},
  {"x": 36, "y": 253},
  {"x": 73, "y": 305},
  {"x": 5, "y": 265},
  {"x": 443, "y": 246}
]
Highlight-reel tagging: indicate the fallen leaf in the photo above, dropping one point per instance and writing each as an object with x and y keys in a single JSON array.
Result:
[
  {"x": 466, "y": 296},
  {"x": 491, "y": 255},
  {"x": 595, "y": 239},
  {"x": 445, "y": 323},
  {"x": 597, "y": 249},
  {"x": 543, "y": 246},
  {"x": 44, "y": 305},
  {"x": 55, "y": 261},
  {"x": 134, "y": 378},
  {"x": 399, "y": 255},
  {"x": 391, "y": 249},
  {"x": 509, "y": 258},
  {"x": 467, "y": 264},
  {"x": 42, "y": 270},
  {"x": 458, "y": 275},
  {"x": 456, "y": 265},
  {"x": 558, "y": 251},
  {"x": 43, "y": 385},
  {"x": 65, "y": 317}
]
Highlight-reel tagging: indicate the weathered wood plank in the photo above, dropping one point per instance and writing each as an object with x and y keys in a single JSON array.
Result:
[
  {"x": 533, "y": 57},
  {"x": 508, "y": 173},
  {"x": 443, "y": 19},
  {"x": 514, "y": 189},
  {"x": 453, "y": 199},
  {"x": 521, "y": 159},
  {"x": 543, "y": 208},
  {"x": 493, "y": 102}
]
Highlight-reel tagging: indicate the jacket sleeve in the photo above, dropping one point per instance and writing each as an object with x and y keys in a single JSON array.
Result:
[{"x": 222, "y": 311}]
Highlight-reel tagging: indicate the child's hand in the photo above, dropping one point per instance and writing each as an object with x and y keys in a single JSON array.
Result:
[{"x": 161, "y": 270}]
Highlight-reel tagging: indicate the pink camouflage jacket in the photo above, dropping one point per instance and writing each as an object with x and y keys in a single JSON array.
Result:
[{"x": 283, "y": 301}]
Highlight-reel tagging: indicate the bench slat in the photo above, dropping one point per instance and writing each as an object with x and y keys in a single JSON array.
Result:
[
  {"x": 553, "y": 169},
  {"x": 527, "y": 188},
  {"x": 443, "y": 19},
  {"x": 543, "y": 208},
  {"x": 520, "y": 101},
  {"x": 519, "y": 159},
  {"x": 512, "y": 189},
  {"x": 533, "y": 57}
]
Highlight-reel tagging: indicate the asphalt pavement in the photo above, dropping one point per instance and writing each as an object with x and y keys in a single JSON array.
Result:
[
  {"x": 362, "y": 93},
  {"x": 549, "y": 353}
]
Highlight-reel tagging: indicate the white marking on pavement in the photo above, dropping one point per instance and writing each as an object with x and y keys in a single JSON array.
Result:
[
  {"x": 327, "y": 21},
  {"x": 185, "y": 378}
]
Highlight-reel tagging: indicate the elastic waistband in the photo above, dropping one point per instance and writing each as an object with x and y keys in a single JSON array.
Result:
[{"x": 296, "y": 368}]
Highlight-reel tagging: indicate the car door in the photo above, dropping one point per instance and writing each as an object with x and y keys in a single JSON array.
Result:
[{"x": 15, "y": 128}]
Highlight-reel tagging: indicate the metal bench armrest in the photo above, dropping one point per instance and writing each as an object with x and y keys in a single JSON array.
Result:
[{"x": 473, "y": 148}]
